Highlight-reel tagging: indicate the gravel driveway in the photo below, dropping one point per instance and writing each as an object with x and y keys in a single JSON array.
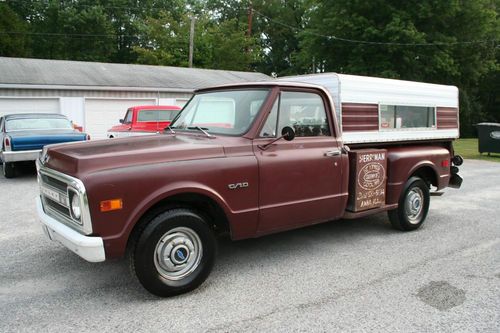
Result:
[{"x": 356, "y": 275}]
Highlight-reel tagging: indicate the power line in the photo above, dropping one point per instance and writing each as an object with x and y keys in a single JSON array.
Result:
[
  {"x": 297, "y": 29},
  {"x": 356, "y": 41},
  {"x": 97, "y": 5}
]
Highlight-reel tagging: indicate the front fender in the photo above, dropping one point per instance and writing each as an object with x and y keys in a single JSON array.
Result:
[{"x": 142, "y": 187}]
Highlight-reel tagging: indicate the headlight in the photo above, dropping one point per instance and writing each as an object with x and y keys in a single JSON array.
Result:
[{"x": 76, "y": 209}]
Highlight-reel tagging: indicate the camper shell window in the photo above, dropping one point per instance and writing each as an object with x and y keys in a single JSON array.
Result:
[{"x": 406, "y": 116}]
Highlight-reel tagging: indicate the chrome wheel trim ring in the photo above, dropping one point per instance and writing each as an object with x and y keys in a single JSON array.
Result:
[
  {"x": 414, "y": 205},
  {"x": 178, "y": 253}
]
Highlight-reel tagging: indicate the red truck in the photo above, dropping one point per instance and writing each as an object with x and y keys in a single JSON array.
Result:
[
  {"x": 250, "y": 160},
  {"x": 144, "y": 119}
]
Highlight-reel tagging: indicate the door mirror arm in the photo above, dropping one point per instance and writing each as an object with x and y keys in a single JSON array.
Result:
[{"x": 287, "y": 133}]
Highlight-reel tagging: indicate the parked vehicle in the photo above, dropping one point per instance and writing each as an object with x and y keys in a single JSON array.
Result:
[
  {"x": 23, "y": 136},
  {"x": 143, "y": 120},
  {"x": 250, "y": 160}
]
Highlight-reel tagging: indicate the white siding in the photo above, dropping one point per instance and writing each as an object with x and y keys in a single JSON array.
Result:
[
  {"x": 166, "y": 101},
  {"x": 28, "y": 105},
  {"x": 102, "y": 114},
  {"x": 73, "y": 108}
]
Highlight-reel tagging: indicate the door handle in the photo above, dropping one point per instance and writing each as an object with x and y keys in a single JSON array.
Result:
[{"x": 331, "y": 153}]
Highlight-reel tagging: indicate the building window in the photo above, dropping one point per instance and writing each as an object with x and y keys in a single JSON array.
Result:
[{"x": 405, "y": 116}]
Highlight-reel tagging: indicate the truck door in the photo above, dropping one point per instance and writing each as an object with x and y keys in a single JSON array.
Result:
[{"x": 300, "y": 181}]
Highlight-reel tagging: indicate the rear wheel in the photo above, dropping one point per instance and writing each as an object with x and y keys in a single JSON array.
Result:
[
  {"x": 8, "y": 169},
  {"x": 413, "y": 205},
  {"x": 174, "y": 254}
]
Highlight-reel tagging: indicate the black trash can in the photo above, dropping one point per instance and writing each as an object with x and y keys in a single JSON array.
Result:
[{"x": 489, "y": 137}]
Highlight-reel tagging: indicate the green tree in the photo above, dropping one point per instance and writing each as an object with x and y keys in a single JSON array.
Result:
[
  {"x": 163, "y": 41},
  {"x": 277, "y": 23},
  {"x": 436, "y": 30},
  {"x": 13, "y": 39}
]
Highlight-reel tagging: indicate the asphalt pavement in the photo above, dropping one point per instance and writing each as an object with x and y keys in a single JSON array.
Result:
[{"x": 357, "y": 275}]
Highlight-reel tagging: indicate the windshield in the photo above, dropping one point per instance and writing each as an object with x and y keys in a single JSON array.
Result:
[
  {"x": 222, "y": 112},
  {"x": 24, "y": 124}
]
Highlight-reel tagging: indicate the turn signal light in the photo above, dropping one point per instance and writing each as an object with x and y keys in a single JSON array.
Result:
[
  {"x": 109, "y": 205},
  {"x": 445, "y": 163}
]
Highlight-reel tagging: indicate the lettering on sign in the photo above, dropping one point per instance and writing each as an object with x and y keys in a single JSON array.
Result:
[
  {"x": 371, "y": 176},
  {"x": 367, "y": 187}
]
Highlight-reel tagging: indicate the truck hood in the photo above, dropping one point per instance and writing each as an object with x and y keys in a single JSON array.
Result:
[{"x": 78, "y": 158}]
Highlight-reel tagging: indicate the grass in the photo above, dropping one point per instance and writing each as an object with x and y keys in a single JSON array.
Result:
[{"x": 467, "y": 148}]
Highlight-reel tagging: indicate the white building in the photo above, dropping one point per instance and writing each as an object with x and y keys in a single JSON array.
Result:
[{"x": 96, "y": 95}]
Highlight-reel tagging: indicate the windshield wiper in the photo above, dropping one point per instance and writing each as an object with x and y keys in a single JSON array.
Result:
[
  {"x": 169, "y": 128},
  {"x": 202, "y": 129}
]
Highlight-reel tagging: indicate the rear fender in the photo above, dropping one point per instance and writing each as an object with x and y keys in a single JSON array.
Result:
[{"x": 403, "y": 162}]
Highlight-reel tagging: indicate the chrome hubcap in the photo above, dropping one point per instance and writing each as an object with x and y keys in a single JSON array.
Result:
[
  {"x": 178, "y": 253},
  {"x": 414, "y": 205}
]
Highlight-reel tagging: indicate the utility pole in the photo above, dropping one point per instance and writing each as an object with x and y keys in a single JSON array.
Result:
[
  {"x": 191, "y": 42},
  {"x": 250, "y": 17}
]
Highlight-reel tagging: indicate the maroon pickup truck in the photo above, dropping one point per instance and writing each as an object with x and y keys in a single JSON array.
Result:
[{"x": 246, "y": 160}]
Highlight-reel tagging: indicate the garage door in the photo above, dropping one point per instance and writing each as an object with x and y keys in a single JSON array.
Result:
[
  {"x": 28, "y": 105},
  {"x": 102, "y": 114}
]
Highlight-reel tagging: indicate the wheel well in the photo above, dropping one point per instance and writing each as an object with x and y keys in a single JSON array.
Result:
[
  {"x": 202, "y": 204},
  {"x": 427, "y": 174}
]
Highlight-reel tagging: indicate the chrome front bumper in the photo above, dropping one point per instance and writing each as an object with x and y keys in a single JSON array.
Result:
[
  {"x": 20, "y": 155},
  {"x": 87, "y": 247}
]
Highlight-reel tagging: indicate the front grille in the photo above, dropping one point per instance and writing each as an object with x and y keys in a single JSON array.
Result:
[
  {"x": 57, "y": 207},
  {"x": 55, "y": 198},
  {"x": 62, "y": 186},
  {"x": 56, "y": 193}
]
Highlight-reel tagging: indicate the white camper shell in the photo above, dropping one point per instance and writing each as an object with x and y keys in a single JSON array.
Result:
[{"x": 371, "y": 109}]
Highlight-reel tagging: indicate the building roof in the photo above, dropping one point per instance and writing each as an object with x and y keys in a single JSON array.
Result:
[{"x": 64, "y": 74}]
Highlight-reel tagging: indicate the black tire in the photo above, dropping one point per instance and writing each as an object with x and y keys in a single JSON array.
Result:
[
  {"x": 413, "y": 205},
  {"x": 8, "y": 170},
  {"x": 187, "y": 239}
]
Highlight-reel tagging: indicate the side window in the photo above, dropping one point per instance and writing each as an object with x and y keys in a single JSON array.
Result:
[
  {"x": 147, "y": 115},
  {"x": 269, "y": 129},
  {"x": 403, "y": 116},
  {"x": 1, "y": 125},
  {"x": 304, "y": 112}
]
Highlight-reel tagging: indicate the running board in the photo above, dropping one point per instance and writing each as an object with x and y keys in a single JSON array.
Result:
[
  {"x": 436, "y": 194},
  {"x": 354, "y": 215}
]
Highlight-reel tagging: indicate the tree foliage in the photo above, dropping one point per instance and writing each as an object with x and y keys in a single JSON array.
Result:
[
  {"x": 426, "y": 40},
  {"x": 15, "y": 44}
]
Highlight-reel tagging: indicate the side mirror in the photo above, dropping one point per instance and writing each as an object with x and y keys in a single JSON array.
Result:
[
  {"x": 121, "y": 121},
  {"x": 288, "y": 133}
]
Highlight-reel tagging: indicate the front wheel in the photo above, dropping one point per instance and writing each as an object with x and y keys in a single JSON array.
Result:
[
  {"x": 174, "y": 254},
  {"x": 412, "y": 207},
  {"x": 8, "y": 170}
]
